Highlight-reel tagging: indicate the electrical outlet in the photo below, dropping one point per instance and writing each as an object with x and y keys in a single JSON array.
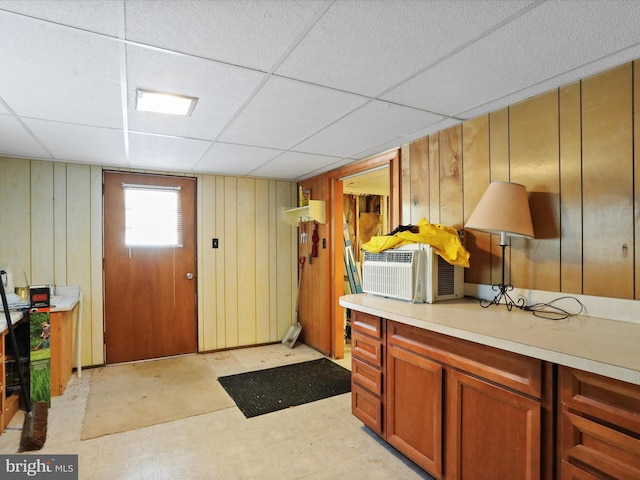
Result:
[{"x": 214, "y": 243}]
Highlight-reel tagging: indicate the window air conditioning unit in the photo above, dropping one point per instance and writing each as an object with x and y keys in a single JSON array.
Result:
[{"x": 412, "y": 272}]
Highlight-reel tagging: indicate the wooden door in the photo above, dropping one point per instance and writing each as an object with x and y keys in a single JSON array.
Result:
[
  {"x": 414, "y": 408},
  {"x": 150, "y": 292},
  {"x": 490, "y": 432}
]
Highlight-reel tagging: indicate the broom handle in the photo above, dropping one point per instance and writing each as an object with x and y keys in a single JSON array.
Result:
[
  {"x": 301, "y": 266},
  {"x": 14, "y": 345}
]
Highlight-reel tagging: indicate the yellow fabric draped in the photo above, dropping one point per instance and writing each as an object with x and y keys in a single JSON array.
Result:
[{"x": 444, "y": 240}]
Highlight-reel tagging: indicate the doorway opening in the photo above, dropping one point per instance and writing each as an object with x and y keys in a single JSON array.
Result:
[{"x": 337, "y": 179}]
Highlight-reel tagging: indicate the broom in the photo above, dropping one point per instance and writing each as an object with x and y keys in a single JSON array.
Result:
[{"x": 34, "y": 428}]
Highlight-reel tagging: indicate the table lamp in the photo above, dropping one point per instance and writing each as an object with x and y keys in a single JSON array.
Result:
[{"x": 504, "y": 210}]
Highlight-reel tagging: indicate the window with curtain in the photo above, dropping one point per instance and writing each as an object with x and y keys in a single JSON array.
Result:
[{"x": 153, "y": 217}]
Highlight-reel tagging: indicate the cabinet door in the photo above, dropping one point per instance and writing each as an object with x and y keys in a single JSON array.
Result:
[
  {"x": 414, "y": 408},
  {"x": 490, "y": 432}
]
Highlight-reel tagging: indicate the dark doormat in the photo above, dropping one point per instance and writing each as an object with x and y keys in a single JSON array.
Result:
[{"x": 266, "y": 391}]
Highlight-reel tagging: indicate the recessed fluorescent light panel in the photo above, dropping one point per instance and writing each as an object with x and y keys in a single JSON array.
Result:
[{"x": 164, "y": 103}]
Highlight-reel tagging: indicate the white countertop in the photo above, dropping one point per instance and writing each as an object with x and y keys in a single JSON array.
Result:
[{"x": 597, "y": 345}]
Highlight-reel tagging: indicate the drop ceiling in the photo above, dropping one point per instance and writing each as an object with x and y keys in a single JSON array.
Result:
[{"x": 287, "y": 89}]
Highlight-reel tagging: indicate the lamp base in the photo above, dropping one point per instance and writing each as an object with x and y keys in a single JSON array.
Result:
[{"x": 503, "y": 297}]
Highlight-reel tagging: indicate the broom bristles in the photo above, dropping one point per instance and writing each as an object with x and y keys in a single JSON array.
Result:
[{"x": 34, "y": 429}]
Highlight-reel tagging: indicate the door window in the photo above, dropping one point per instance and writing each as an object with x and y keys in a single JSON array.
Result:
[{"x": 153, "y": 217}]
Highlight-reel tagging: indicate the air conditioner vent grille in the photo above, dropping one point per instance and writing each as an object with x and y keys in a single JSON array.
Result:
[
  {"x": 446, "y": 284},
  {"x": 389, "y": 257}
]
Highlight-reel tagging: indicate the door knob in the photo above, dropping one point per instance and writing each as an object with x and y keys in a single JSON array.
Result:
[{"x": 189, "y": 276}]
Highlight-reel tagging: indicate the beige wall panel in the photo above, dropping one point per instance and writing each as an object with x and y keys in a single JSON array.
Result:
[
  {"x": 220, "y": 263},
  {"x": 200, "y": 235},
  {"x": 79, "y": 251},
  {"x": 246, "y": 267},
  {"x": 16, "y": 208},
  {"x": 286, "y": 260},
  {"x": 419, "y": 181},
  {"x": 207, "y": 274},
  {"x": 230, "y": 251},
  {"x": 261, "y": 279},
  {"x": 275, "y": 218},
  {"x": 405, "y": 184},
  {"x": 92, "y": 305},
  {"x": 42, "y": 232},
  {"x": 607, "y": 139},
  {"x": 451, "y": 177},
  {"x": 60, "y": 222},
  {"x": 475, "y": 155},
  {"x": 499, "y": 172},
  {"x": 534, "y": 163},
  {"x": 570, "y": 190},
  {"x": 636, "y": 156},
  {"x": 434, "y": 178}
]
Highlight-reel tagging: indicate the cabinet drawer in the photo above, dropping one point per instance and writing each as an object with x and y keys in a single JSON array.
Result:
[
  {"x": 366, "y": 349},
  {"x": 612, "y": 401},
  {"x": 367, "y": 324},
  {"x": 599, "y": 449},
  {"x": 366, "y": 376},
  {"x": 367, "y": 407},
  {"x": 571, "y": 472}
]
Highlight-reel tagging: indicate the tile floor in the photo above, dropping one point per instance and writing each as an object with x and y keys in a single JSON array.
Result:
[{"x": 317, "y": 441}]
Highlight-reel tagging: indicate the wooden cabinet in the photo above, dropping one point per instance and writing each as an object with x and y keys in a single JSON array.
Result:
[
  {"x": 8, "y": 405},
  {"x": 61, "y": 349},
  {"x": 478, "y": 412},
  {"x": 462, "y": 410},
  {"x": 3, "y": 386},
  {"x": 367, "y": 386},
  {"x": 458, "y": 409},
  {"x": 599, "y": 427}
]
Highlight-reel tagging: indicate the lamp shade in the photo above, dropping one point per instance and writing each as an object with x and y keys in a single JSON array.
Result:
[{"x": 503, "y": 209}]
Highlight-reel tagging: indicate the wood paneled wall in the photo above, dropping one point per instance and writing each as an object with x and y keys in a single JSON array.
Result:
[
  {"x": 315, "y": 287},
  {"x": 51, "y": 227},
  {"x": 573, "y": 149}
]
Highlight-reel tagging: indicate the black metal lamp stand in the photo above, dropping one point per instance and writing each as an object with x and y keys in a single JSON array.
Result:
[{"x": 503, "y": 288}]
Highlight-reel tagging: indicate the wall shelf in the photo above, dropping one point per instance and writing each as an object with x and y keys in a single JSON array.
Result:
[{"x": 315, "y": 211}]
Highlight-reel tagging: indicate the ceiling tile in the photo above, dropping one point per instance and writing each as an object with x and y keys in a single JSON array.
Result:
[
  {"x": 284, "y": 112},
  {"x": 370, "y": 53},
  {"x": 375, "y": 123},
  {"x": 407, "y": 138},
  {"x": 80, "y": 143},
  {"x": 253, "y": 34},
  {"x": 292, "y": 165},
  {"x": 161, "y": 152},
  {"x": 59, "y": 73},
  {"x": 102, "y": 16},
  {"x": 221, "y": 90},
  {"x": 547, "y": 42},
  {"x": 228, "y": 159},
  {"x": 22, "y": 143}
]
